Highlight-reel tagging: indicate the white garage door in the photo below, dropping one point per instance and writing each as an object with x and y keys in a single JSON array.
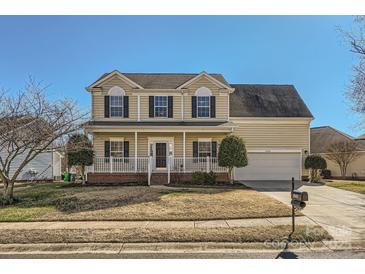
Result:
[{"x": 270, "y": 166}]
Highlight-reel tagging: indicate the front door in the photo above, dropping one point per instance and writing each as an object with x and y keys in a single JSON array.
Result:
[{"x": 161, "y": 151}]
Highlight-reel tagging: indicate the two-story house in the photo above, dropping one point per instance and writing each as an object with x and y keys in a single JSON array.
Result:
[{"x": 166, "y": 123}]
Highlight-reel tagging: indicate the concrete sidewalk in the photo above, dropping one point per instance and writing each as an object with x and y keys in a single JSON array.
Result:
[
  {"x": 183, "y": 250},
  {"x": 301, "y": 220},
  {"x": 340, "y": 212}
]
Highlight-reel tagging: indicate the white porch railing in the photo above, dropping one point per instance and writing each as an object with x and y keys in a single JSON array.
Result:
[
  {"x": 145, "y": 165},
  {"x": 120, "y": 165}
]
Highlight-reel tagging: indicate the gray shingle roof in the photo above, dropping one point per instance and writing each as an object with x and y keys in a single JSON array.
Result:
[
  {"x": 267, "y": 101},
  {"x": 322, "y": 137},
  {"x": 164, "y": 80}
]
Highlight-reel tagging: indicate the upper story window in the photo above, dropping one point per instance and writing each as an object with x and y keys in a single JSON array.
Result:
[
  {"x": 161, "y": 106},
  {"x": 203, "y": 102},
  {"x": 116, "y": 104},
  {"x": 203, "y": 106}
]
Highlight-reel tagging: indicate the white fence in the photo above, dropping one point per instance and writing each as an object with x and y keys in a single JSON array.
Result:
[
  {"x": 145, "y": 165},
  {"x": 120, "y": 165}
]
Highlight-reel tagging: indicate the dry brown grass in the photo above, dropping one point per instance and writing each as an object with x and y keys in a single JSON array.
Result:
[
  {"x": 251, "y": 234},
  {"x": 354, "y": 186},
  {"x": 140, "y": 203}
]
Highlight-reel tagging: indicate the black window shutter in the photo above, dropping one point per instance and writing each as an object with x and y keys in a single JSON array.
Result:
[
  {"x": 125, "y": 106},
  {"x": 214, "y": 149},
  {"x": 107, "y": 149},
  {"x": 170, "y": 106},
  {"x": 152, "y": 106},
  {"x": 193, "y": 106},
  {"x": 212, "y": 106},
  {"x": 126, "y": 149},
  {"x": 195, "y": 149},
  {"x": 106, "y": 107}
]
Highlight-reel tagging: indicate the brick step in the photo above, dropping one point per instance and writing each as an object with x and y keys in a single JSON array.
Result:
[{"x": 159, "y": 178}]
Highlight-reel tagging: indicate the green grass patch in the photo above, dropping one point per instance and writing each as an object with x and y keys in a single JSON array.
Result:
[
  {"x": 354, "y": 186},
  {"x": 11, "y": 214}
]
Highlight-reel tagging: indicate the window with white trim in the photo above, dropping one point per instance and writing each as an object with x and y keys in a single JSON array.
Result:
[
  {"x": 161, "y": 106},
  {"x": 203, "y": 106},
  {"x": 116, "y": 101},
  {"x": 204, "y": 149},
  {"x": 116, "y": 148},
  {"x": 116, "y": 106}
]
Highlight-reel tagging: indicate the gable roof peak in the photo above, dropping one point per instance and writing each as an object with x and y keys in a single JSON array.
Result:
[
  {"x": 210, "y": 77},
  {"x": 107, "y": 76}
]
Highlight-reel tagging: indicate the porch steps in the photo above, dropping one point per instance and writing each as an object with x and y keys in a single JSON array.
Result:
[{"x": 158, "y": 178}]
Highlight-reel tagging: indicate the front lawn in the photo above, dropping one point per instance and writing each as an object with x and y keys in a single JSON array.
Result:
[
  {"x": 354, "y": 186},
  {"x": 59, "y": 201},
  {"x": 150, "y": 235}
]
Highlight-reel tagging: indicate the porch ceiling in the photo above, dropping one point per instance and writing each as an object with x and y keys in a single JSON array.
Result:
[{"x": 160, "y": 126}]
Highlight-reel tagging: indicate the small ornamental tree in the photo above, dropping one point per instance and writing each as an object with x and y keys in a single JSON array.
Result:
[
  {"x": 315, "y": 163},
  {"x": 232, "y": 153},
  {"x": 343, "y": 154},
  {"x": 79, "y": 153}
]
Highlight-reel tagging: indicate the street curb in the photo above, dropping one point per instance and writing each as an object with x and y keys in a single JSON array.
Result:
[{"x": 135, "y": 248}]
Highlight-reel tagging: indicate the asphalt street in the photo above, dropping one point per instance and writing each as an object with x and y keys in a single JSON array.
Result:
[{"x": 348, "y": 254}]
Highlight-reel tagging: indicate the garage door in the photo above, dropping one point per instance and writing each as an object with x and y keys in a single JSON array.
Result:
[{"x": 270, "y": 166}]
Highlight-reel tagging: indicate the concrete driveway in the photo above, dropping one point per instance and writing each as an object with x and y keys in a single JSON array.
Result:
[{"x": 340, "y": 212}]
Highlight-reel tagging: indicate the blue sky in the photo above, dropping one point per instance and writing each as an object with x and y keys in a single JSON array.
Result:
[{"x": 71, "y": 52}]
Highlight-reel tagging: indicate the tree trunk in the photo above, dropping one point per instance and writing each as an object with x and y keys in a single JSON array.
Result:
[
  {"x": 312, "y": 175},
  {"x": 343, "y": 171},
  {"x": 230, "y": 175},
  {"x": 8, "y": 190},
  {"x": 83, "y": 174}
]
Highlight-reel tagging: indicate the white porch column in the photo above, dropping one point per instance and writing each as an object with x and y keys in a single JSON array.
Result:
[
  {"x": 138, "y": 108},
  {"x": 184, "y": 162},
  {"x": 135, "y": 150},
  {"x": 182, "y": 106}
]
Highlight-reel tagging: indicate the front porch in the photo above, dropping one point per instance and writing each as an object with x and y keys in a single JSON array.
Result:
[
  {"x": 141, "y": 170},
  {"x": 160, "y": 148}
]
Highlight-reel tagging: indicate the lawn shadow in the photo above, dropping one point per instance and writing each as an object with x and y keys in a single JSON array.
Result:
[{"x": 128, "y": 196}]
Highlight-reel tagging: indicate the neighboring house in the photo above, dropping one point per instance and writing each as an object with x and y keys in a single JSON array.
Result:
[
  {"x": 166, "y": 123},
  {"x": 322, "y": 137},
  {"x": 45, "y": 166}
]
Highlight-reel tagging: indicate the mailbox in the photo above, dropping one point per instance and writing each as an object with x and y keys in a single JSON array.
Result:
[
  {"x": 298, "y": 204},
  {"x": 300, "y": 196}
]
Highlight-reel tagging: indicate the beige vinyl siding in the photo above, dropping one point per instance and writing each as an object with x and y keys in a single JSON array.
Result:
[
  {"x": 222, "y": 108},
  {"x": 142, "y": 141},
  {"x": 191, "y": 137},
  {"x": 270, "y": 135},
  {"x": 176, "y": 108},
  {"x": 100, "y": 138},
  {"x": 98, "y": 100},
  {"x": 98, "y": 107},
  {"x": 222, "y": 111}
]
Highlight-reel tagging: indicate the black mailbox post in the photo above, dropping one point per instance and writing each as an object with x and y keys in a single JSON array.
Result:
[{"x": 298, "y": 199}]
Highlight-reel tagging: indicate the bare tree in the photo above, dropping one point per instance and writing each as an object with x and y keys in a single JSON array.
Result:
[
  {"x": 30, "y": 124},
  {"x": 356, "y": 90},
  {"x": 343, "y": 153}
]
